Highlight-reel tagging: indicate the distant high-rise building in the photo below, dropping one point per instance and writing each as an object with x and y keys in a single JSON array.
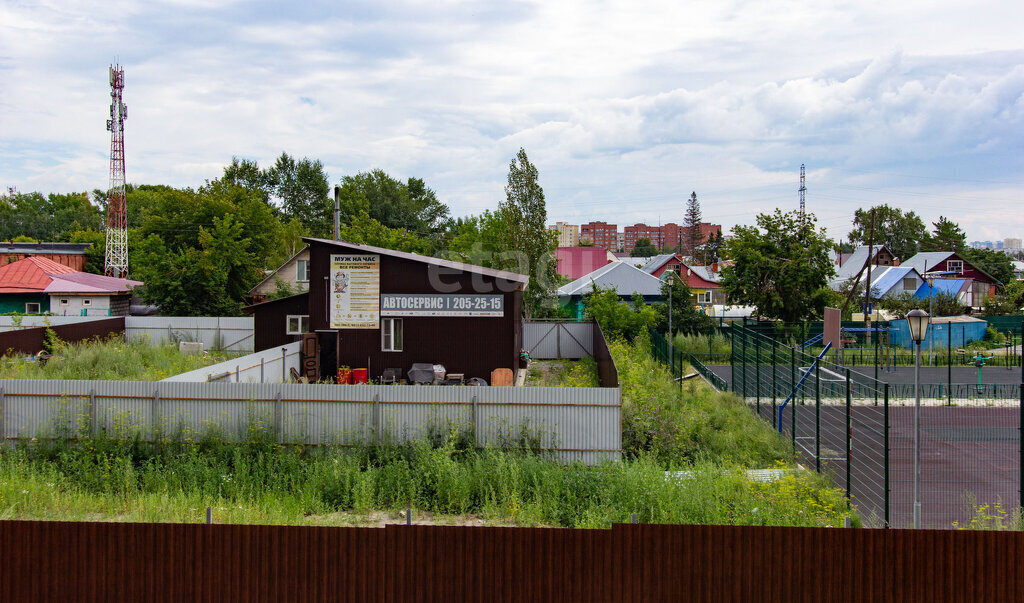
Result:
[
  {"x": 1012, "y": 244},
  {"x": 568, "y": 234},
  {"x": 668, "y": 236},
  {"x": 601, "y": 234}
]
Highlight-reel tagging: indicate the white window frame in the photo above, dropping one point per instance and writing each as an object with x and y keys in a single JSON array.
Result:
[
  {"x": 64, "y": 301},
  {"x": 705, "y": 297},
  {"x": 86, "y": 301},
  {"x": 388, "y": 337},
  {"x": 956, "y": 266},
  {"x": 302, "y": 271},
  {"x": 301, "y": 324},
  {"x": 29, "y": 310}
]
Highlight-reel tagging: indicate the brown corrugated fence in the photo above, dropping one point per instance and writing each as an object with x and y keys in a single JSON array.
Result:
[
  {"x": 30, "y": 341},
  {"x": 184, "y": 562}
]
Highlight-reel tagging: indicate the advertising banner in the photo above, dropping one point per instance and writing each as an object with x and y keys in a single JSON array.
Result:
[
  {"x": 440, "y": 304},
  {"x": 354, "y": 291}
]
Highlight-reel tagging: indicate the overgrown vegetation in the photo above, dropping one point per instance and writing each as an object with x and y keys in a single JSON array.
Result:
[
  {"x": 261, "y": 482},
  {"x": 563, "y": 373},
  {"x": 111, "y": 359},
  {"x": 677, "y": 425}
]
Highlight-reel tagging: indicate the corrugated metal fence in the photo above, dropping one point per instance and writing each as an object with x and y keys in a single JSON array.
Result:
[
  {"x": 549, "y": 340},
  {"x": 576, "y": 423},
  {"x": 234, "y": 334},
  {"x": 32, "y": 339},
  {"x": 187, "y": 562},
  {"x": 269, "y": 366}
]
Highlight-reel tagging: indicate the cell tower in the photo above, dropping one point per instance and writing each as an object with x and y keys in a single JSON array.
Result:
[
  {"x": 116, "y": 260},
  {"x": 803, "y": 189}
]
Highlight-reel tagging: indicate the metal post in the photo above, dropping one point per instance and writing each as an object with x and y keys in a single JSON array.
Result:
[
  {"x": 775, "y": 385},
  {"x": 1020, "y": 445},
  {"x": 885, "y": 460},
  {"x": 792, "y": 383},
  {"x": 849, "y": 431},
  {"x": 671, "y": 356},
  {"x": 949, "y": 365},
  {"x": 632, "y": 518},
  {"x": 757, "y": 379},
  {"x": 743, "y": 359},
  {"x": 262, "y": 368},
  {"x": 3, "y": 413},
  {"x": 408, "y": 516},
  {"x": 209, "y": 515},
  {"x": 284, "y": 362},
  {"x": 376, "y": 418},
  {"x": 817, "y": 417},
  {"x": 917, "y": 438},
  {"x": 732, "y": 357}
]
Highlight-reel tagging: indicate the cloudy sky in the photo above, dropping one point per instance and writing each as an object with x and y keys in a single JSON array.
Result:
[{"x": 624, "y": 107}]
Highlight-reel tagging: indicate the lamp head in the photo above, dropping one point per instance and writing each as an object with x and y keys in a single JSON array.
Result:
[{"x": 918, "y": 321}]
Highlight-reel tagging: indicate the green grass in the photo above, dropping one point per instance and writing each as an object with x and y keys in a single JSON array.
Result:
[
  {"x": 563, "y": 373},
  {"x": 111, "y": 359},
  {"x": 260, "y": 482},
  {"x": 685, "y": 453},
  {"x": 693, "y": 423}
]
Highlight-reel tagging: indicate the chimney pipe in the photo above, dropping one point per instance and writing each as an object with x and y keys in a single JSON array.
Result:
[{"x": 337, "y": 212}]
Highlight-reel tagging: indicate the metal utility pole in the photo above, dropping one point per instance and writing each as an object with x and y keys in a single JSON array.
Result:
[
  {"x": 115, "y": 262},
  {"x": 803, "y": 189},
  {"x": 867, "y": 285}
]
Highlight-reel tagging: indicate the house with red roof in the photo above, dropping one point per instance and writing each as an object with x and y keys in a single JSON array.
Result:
[
  {"x": 35, "y": 285},
  {"x": 575, "y": 262}
]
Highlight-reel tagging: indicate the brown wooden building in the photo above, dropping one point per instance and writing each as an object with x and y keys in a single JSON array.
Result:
[
  {"x": 390, "y": 309},
  {"x": 72, "y": 255}
]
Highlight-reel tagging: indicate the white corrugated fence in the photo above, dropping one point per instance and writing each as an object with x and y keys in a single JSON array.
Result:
[{"x": 573, "y": 423}]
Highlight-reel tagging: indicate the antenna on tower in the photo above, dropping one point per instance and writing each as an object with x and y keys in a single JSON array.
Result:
[
  {"x": 115, "y": 262},
  {"x": 803, "y": 189}
]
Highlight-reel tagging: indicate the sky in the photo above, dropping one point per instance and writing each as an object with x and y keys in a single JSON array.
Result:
[{"x": 625, "y": 108}]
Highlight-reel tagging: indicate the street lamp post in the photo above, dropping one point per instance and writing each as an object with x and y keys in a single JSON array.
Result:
[
  {"x": 931, "y": 311},
  {"x": 918, "y": 321}
]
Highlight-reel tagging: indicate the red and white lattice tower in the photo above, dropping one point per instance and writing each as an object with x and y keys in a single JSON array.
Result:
[{"x": 116, "y": 261}]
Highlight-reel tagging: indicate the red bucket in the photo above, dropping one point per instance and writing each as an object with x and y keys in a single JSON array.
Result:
[
  {"x": 344, "y": 376},
  {"x": 360, "y": 375}
]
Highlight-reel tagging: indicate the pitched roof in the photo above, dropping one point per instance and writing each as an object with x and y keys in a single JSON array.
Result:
[
  {"x": 656, "y": 262},
  {"x": 624, "y": 278},
  {"x": 575, "y": 262},
  {"x": 854, "y": 263},
  {"x": 927, "y": 260},
  {"x": 273, "y": 274},
  {"x": 426, "y": 259},
  {"x": 42, "y": 275},
  {"x": 948, "y": 286},
  {"x": 889, "y": 278},
  {"x": 706, "y": 273}
]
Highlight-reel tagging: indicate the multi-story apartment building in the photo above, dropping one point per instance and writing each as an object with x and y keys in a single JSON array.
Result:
[
  {"x": 667, "y": 236},
  {"x": 601, "y": 234},
  {"x": 568, "y": 234},
  {"x": 1012, "y": 244}
]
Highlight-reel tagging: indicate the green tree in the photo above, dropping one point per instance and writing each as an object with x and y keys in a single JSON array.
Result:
[
  {"x": 618, "y": 319},
  {"x": 477, "y": 239},
  {"x": 643, "y": 248},
  {"x": 303, "y": 191},
  {"x": 902, "y": 233},
  {"x": 781, "y": 266},
  {"x": 686, "y": 317},
  {"x": 1008, "y": 302},
  {"x": 942, "y": 304},
  {"x": 692, "y": 238},
  {"x": 946, "y": 236},
  {"x": 996, "y": 263},
  {"x": 711, "y": 250},
  {"x": 95, "y": 252},
  {"x": 527, "y": 245},
  {"x": 46, "y": 218},
  {"x": 410, "y": 205}
]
